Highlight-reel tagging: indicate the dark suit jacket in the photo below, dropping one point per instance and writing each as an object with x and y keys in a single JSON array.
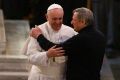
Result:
[{"x": 85, "y": 53}]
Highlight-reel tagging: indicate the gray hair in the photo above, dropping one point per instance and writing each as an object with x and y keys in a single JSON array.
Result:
[{"x": 85, "y": 14}]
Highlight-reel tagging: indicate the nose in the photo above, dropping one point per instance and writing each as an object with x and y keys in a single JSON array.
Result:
[{"x": 58, "y": 21}]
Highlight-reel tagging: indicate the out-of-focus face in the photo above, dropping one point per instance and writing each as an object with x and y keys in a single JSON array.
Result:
[
  {"x": 55, "y": 18},
  {"x": 77, "y": 24}
]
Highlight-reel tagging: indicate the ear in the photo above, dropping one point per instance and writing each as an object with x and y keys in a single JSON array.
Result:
[{"x": 83, "y": 21}]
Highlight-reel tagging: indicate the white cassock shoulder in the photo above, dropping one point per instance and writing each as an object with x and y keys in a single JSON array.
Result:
[{"x": 35, "y": 54}]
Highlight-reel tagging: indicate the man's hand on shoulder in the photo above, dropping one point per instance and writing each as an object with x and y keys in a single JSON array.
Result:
[
  {"x": 55, "y": 52},
  {"x": 35, "y": 32}
]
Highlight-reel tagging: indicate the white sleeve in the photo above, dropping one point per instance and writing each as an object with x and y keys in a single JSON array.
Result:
[{"x": 35, "y": 54}]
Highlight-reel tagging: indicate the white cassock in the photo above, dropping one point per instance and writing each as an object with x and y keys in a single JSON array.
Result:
[{"x": 45, "y": 68}]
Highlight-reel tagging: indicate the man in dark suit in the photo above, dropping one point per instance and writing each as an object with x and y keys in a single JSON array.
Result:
[{"x": 85, "y": 50}]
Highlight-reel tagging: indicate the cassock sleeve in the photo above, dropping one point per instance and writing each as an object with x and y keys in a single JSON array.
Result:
[{"x": 35, "y": 54}]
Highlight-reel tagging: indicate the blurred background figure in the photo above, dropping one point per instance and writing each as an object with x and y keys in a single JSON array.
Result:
[{"x": 108, "y": 21}]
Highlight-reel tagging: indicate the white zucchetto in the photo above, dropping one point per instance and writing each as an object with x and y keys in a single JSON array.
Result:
[{"x": 53, "y": 6}]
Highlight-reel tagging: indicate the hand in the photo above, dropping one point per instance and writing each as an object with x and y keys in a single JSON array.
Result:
[
  {"x": 55, "y": 52},
  {"x": 35, "y": 32}
]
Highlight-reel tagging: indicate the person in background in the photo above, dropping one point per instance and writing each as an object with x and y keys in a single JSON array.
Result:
[
  {"x": 44, "y": 65},
  {"x": 85, "y": 50}
]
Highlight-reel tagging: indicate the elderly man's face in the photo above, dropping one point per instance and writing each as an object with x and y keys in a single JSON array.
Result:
[
  {"x": 55, "y": 18},
  {"x": 77, "y": 24}
]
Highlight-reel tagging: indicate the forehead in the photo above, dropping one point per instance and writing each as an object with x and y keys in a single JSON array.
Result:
[
  {"x": 56, "y": 10},
  {"x": 56, "y": 13},
  {"x": 75, "y": 15}
]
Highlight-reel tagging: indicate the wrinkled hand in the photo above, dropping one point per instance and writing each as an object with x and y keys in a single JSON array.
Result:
[
  {"x": 35, "y": 32},
  {"x": 55, "y": 52}
]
